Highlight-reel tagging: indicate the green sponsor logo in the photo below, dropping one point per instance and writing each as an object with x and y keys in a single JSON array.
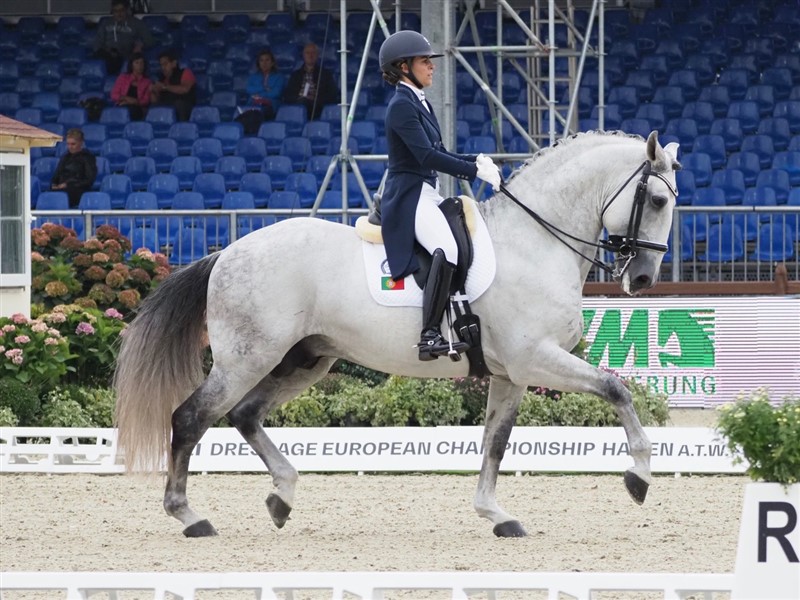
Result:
[{"x": 693, "y": 329}]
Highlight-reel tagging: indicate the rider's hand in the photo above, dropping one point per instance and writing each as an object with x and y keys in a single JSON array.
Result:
[{"x": 488, "y": 171}]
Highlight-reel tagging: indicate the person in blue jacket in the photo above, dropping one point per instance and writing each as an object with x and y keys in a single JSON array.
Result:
[{"x": 409, "y": 207}]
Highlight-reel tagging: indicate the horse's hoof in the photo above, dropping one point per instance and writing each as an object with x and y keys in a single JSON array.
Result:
[
  {"x": 637, "y": 487},
  {"x": 200, "y": 529},
  {"x": 510, "y": 529},
  {"x": 278, "y": 510}
]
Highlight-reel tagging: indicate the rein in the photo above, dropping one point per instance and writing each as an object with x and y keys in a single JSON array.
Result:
[{"x": 626, "y": 245}]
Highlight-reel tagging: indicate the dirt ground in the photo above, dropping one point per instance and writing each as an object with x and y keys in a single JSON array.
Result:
[{"x": 348, "y": 522}]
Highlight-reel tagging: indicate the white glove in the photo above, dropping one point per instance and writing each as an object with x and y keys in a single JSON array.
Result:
[{"x": 488, "y": 171}]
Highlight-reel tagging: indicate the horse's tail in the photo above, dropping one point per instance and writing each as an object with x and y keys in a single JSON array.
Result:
[{"x": 160, "y": 363}]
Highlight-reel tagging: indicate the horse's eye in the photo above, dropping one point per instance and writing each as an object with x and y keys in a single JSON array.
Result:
[{"x": 659, "y": 201}]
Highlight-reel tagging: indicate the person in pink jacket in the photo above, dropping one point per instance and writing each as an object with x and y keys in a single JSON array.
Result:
[{"x": 132, "y": 88}]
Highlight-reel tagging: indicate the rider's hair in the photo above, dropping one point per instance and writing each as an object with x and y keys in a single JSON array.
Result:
[{"x": 393, "y": 77}]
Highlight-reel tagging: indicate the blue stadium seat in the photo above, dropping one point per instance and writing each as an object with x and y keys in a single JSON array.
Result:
[
  {"x": 95, "y": 201},
  {"x": 725, "y": 243},
  {"x": 163, "y": 151},
  {"x": 49, "y": 73},
  {"x": 718, "y": 97},
  {"x": 685, "y": 130},
  {"x": 115, "y": 118},
  {"x": 93, "y": 73},
  {"x": 636, "y": 126},
  {"x": 297, "y": 149},
  {"x": 273, "y": 134},
  {"x": 10, "y": 43},
  {"x": 332, "y": 114},
  {"x": 116, "y": 151},
  {"x": 476, "y": 144},
  {"x": 140, "y": 169},
  {"x": 278, "y": 168},
  {"x": 145, "y": 237},
  {"x": 626, "y": 98},
  {"x": 671, "y": 97},
  {"x": 284, "y": 200},
  {"x": 775, "y": 243},
  {"x": 684, "y": 181},
  {"x": 209, "y": 151},
  {"x": 70, "y": 89},
  {"x": 49, "y": 103},
  {"x": 212, "y": 187},
  {"x": 657, "y": 65},
  {"x": 318, "y": 165},
  {"x": 118, "y": 187},
  {"x": 714, "y": 146},
  {"x": 10, "y": 103},
  {"x": 189, "y": 245},
  {"x": 225, "y": 102},
  {"x": 139, "y": 134},
  {"x": 29, "y": 116},
  {"x": 643, "y": 82},
  {"x": 259, "y": 185},
  {"x": 220, "y": 75},
  {"x": 232, "y": 168},
  {"x": 305, "y": 184},
  {"x": 186, "y": 168},
  {"x": 196, "y": 57},
  {"x": 335, "y": 144},
  {"x": 72, "y": 57},
  {"x": 747, "y": 63},
  {"x": 730, "y": 181},
  {"x": 627, "y": 52},
  {"x": 778, "y": 129},
  {"x": 475, "y": 115},
  {"x": 655, "y": 114},
  {"x": 28, "y": 59},
  {"x": 294, "y": 116},
  {"x": 789, "y": 161},
  {"x": 164, "y": 186},
  {"x": 747, "y": 163},
  {"x": 194, "y": 28},
  {"x": 699, "y": 163},
  {"x": 372, "y": 172},
  {"x": 236, "y": 27},
  {"x": 161, "y": 118},
  {"x": 240, "y": 58},
  {"x": 687, "y": 246},
  {"x": 730, "y": 130},
  {"x": 71, "y": 29},
  {"x": 36, "y": 189},
  {"x": 184, "y": 134},
  {"x": 252, "y": 150},
  {"x": 229, "y": 135},
  {"x": 30, "y": 29},
  {"x": 761, "y": 145},
  {"x": 190, "y": 201},
  {"x": 319, "y": 134},
  {"x": 142, "y": 201},
  {"x": 703, "y": 67},
  {"x": 205, "y": 117},
  {"x": 736, "y": 81},
  {"x": 43, "y": 170},
  {"x": 365, "y": 133},
  {"x": 746, "y": 111},
  {"x": 789, "y": 110},
  {"x": 778, "y": 180},
  {"x": 103, "y": 169}
]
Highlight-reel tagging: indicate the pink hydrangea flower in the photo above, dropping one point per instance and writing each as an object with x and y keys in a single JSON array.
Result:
[
  {"x": 19, "y": 318},
  {"x": 15, "y": 355},
  {"x": 113, "y": 313},
  {"x": 50, "y": 341},
  {"x": 2, "y": 348},
  {"x": 9, "y": 328},
  {"x": 84, "y": 329},
  {"x": 39, "y": 326},
  {"x": 22, "y": 339},
  {"x": 54, "y": 333},
  {"x": 56, "y": 317}
]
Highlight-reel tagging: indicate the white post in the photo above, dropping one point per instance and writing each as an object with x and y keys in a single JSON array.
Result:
[{"x": 768, "y": 555}]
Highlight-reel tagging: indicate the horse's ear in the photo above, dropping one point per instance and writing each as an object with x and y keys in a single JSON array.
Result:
[
  {"x": 671, "y": 151},
  {"x": 653, "y": 146}
]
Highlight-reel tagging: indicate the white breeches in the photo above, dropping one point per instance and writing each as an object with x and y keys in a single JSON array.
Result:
[{"x": 430, "y": 224}]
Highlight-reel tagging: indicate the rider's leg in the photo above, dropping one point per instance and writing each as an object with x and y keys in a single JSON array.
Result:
[{"x": 434, "y": 234}]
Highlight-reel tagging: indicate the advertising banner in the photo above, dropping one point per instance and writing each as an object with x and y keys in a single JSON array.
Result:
[{"x": 701, "y": 352}]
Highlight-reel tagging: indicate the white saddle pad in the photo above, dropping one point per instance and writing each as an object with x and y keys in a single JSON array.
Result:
[{"x": 388, "y": 292}]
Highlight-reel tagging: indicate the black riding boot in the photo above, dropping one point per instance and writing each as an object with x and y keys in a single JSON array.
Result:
[{"x": 436, "y": 294}]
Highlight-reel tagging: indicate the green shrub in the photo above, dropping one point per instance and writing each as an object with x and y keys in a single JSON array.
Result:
[
  {"x": 766, "y": 436},
  {"x": 405, "y": 401},
  {"x": 350, "y": 402},
  {"x": 97, "y": 403},
  {"x": 61, "y": 410},
  {"x": 370, "y": 376},
  {"x": 20, "y": 400},
  {"x": 307, "y": 410},
  {"x": 7, "y": 417},
  {"x": 474, "y": 393},
  {"x": 32, "y": 351}
]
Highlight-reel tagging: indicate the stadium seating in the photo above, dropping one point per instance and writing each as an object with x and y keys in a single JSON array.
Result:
[
  {"x": 189, "y": 246},
  {"x": 232, "y": 168},
  {"x": 164, "y": 186},
  {"x": 117, "y": 186},
  {"x": 259, "y": 185},
  {"x": 208, "y": 151},
  {"x": 163, "y": 151},
  {"x": 116, "y": 151},
  {"x": 139, "y": 134},
  {"x": 186, "y": 168},
  {"x": 184, "y": 134},
  {"x": 212, "y": 187},
  {"x": 775, "y": 243}
]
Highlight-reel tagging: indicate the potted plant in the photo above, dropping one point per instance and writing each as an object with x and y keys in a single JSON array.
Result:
[{"x": 767, "y": 436}]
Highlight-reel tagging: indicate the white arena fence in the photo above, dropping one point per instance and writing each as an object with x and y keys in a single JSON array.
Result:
[{"x": 366, "y": 585}]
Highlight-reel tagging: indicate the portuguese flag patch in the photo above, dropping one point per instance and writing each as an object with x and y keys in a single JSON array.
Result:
[{"x": 387, "y": 283}]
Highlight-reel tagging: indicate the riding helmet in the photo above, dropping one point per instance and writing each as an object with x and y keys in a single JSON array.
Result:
[{"x": 404, "y": 45}]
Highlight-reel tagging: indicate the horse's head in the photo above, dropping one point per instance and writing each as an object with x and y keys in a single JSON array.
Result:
[{"x": 639, "y": 217}]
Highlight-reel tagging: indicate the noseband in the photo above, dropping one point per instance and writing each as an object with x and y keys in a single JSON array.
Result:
[{"x": 623, "y": 245}]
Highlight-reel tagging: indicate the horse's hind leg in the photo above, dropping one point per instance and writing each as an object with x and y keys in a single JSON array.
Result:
[
  {"x": 501, "y": 414},
  {"x": 207, "y": 404},
  {"x": 248, "y": 415}
]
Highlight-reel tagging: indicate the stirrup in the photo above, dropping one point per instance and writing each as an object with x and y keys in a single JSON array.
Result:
[{"x": 436, "y": 346}]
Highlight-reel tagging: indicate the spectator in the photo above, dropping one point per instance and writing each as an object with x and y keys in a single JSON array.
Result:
[
  {"x": 311, "y": 84},
  {"x": 265, "y": 89},
  {"x": 176, "y": 87},
  {"x": 119, "y": 36},
  {"x": 77, "y": 169},
  {"x": 132, "y": 88}
]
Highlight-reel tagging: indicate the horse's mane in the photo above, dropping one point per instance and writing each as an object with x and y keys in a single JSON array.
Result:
[{"x": 576, "y": 138}]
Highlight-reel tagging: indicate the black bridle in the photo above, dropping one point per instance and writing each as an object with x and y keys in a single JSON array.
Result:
[{"x": 626, "y": 245}]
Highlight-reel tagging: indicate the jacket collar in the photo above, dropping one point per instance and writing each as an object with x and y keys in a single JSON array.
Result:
[{"x": 430, "y": 116}]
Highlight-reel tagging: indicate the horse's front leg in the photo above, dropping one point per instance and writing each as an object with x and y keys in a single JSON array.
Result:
[
  {"x": 501, "y": 414},
  {"x": 247, "y": 417},
  {"x": 560, "y": 370}
]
